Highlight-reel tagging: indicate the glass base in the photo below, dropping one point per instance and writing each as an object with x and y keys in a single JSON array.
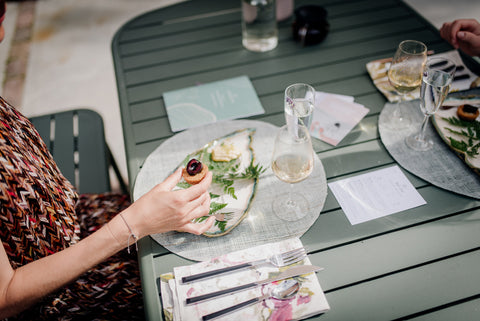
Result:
[
  {"x": 415, "y": 143},
  {"x": 260, "y": 45},
  {"x": 290, "y": 207},
  {"x": 396, "y": 123}
]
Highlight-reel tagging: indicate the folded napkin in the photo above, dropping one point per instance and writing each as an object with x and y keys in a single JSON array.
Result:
[
  {"x": 334, "y": 117},
  {"x": 310, "y": 299},
  {"x": 378, "y": 69}
]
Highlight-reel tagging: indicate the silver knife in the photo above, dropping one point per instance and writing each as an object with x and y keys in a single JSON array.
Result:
[{"x": 291, "y": 272}]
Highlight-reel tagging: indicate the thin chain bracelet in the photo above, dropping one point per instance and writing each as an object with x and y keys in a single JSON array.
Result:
[{"x": 135, "y": 238}]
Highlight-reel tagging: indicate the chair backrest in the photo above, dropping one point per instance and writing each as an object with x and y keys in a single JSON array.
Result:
[{"x": 76, "y": 141}]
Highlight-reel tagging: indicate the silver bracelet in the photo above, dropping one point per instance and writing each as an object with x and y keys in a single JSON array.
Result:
[{"x": 135, "y": 238}]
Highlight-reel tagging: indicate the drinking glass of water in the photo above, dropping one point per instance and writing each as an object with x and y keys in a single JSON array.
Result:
[
  {"x": 292, "y": 162},
  {"x": 299, "y": 103},
  {"x": 437, "y": 77},
  {"x": 259, "y": 25}
]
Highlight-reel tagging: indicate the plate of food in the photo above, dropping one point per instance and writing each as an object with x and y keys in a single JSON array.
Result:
[
  {"x": 457, "y": 123},
  {"x": 234, "y": 178},
  {"x": 243, "y": 189}
]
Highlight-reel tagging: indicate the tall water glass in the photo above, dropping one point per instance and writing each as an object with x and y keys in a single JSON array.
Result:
[
  {"x": 259, "y": 25},
  {"x": 436, "y": 80},
  {"x": 405, "y": 75},
  {"x": 299, "y": 103}
]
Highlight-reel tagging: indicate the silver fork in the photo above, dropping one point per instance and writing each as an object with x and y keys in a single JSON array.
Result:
[{"x": 278, "y": 260}]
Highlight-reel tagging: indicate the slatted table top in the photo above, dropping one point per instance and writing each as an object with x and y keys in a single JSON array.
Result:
[{"x": 419, "y": 264}]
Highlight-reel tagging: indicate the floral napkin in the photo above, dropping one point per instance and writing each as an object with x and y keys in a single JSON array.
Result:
[
  {"x": 378, "y": 69},
  {"x": 310, "y": 299}
]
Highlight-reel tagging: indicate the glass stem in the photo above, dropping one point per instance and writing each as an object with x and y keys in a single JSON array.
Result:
[
  {"x": 290, "y": 201},
  {"x": 421, "y": 134},
  {"x": 396, "y": 112}
]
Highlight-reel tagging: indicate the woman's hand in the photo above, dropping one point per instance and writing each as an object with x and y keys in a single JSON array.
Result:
[
  {"x": 162, "y": 210},
  {"x": 463, "y": 34}
]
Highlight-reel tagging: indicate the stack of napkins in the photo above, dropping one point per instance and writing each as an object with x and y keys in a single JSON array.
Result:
[
  {"x": 378, "y": 69},
  {"x": 334, "y": 117},
  {"x": 310, "y": 299}
]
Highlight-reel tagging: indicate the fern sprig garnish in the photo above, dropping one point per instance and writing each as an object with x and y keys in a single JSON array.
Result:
[
  {"x": 226, "y": 185},
  {"x": 464, "y": 133},
  {"x": 227, "y": 179},
  {"x": 252, "y": 172},
  {"x": 214, "y": 208},
  {"x": 469, "y": 130}
]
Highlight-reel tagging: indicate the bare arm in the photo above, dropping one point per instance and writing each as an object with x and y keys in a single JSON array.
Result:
[
  {"x": 24, "y": 286},
  {"x": 158, "y": 211}
]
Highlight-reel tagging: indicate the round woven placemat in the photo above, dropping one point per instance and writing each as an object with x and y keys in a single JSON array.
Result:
[
  {"x": 439, "y": 166},
  {"x": 261, "y": 225}
]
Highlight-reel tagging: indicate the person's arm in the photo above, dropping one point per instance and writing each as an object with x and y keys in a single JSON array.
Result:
[
  {"x": 463, "y": 34},
  {"x": 160, "y": 210}
]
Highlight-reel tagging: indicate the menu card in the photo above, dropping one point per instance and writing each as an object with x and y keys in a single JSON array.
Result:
[
  {"x": 376, "y": 194},
  {"x": 334, "y": 116},
  {"x": 204, "y": 104},
  {"x": 309, "y": 300}
]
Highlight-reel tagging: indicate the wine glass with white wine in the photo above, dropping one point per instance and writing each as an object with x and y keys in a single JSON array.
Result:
[
  {"x": 405, "y": 75},
  {"x": 292, "y": 162},
  {"x": 436, "y": 80}
]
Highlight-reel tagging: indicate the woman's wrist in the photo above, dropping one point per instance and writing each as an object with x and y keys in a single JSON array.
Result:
[
  {"x": 132, "y": 234},
  {"x": 123, "y": 231}
]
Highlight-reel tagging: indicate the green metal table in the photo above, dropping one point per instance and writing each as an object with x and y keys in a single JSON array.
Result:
[{"x": 419, "y": 264}]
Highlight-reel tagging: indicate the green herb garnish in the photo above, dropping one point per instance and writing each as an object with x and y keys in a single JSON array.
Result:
[
  {"x": 227, "y": 177},
  {"x": 469, "y": 130},
  {"x": 224, "y": 175}
]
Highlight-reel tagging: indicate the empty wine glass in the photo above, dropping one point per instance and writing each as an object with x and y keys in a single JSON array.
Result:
[
  {"x": 292, "y": 162},
  {"x": 436, "y": 80},
  {"x": 405, "y": 75}
]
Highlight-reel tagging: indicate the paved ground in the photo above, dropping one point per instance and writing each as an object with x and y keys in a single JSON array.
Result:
[{"x": 56, "y": 54}]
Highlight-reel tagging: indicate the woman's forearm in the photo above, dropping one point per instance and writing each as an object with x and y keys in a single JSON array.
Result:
[
  {"x": 158, "y": 211},
  {"x": 33, "y": 281}
]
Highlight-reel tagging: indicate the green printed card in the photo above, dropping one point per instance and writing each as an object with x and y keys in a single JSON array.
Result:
[{"x": 204, "y": 104}]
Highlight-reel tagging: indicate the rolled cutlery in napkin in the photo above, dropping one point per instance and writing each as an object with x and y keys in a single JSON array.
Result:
[{"x": 310, "y": 300}]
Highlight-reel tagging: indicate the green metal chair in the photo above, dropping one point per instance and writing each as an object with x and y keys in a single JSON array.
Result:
[{"x": 76, "y": 141}]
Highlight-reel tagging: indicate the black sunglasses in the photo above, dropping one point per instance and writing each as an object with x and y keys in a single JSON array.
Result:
[{"x": 310, "y": 26}]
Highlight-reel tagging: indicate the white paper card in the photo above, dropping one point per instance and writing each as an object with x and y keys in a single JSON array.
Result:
[
  {"x": 373, "y": 195},
  {"x": 211, "y": 102},
  {"x": 320, "y": 96},
  {"x": 334, "y": 117}
]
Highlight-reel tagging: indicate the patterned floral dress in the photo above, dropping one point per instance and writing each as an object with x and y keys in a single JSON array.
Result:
[{"x": 41, "y": 213}]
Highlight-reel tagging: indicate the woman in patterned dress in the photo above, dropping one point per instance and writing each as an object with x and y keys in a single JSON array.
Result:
[{"x": 61, "y": 253}]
